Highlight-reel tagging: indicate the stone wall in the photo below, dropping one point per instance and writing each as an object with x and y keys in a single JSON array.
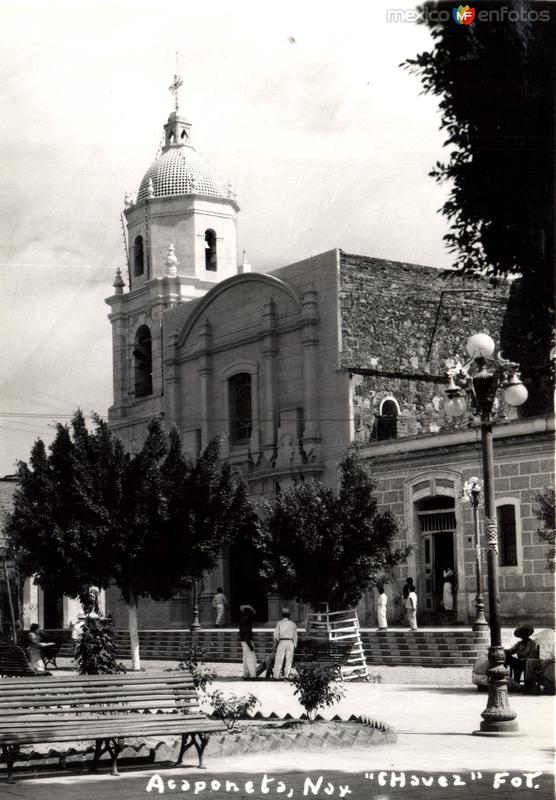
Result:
[
  {"x": 399, "y": 325},
  {"x": 524, "y": 463}
]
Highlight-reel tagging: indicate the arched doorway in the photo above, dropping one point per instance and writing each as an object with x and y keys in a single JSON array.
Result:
[{"x": 437, "y": 530}]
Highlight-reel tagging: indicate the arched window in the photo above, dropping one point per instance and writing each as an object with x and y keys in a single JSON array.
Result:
[
  {"x": 210, "y": 250},
  {"x": 143, "y": 362},
  {"x": 138, "y": 256},
  {"x": 505, "y": 518},
  {"x": 241, "y": 413},
  {"x": 387, "y": 421}
]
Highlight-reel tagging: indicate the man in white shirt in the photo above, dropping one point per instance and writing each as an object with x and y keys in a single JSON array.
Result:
[
  {"x": 285, "y": 636},
  {"x": 411, "y": 606}
]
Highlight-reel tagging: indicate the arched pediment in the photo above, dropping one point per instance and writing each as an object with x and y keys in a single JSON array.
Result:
[{"x": 237, "y": 280}]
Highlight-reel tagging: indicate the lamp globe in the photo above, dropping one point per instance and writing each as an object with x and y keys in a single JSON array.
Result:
[{"x": 480, "y": 344}]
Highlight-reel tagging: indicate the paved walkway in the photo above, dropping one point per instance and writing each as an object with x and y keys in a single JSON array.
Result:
[{"x": 434, "y": 725}]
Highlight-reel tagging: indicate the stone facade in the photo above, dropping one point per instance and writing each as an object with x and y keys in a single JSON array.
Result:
[
  {"x": 326, "y": 342},
  {"x": 437, "y": 467},
  {"x": 334, "y": 352}
]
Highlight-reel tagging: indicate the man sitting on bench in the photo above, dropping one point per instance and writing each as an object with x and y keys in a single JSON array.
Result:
[{"x": 516, "y": 656}]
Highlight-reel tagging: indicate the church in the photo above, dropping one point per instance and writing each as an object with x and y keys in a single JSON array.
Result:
[{"x": 296, "y": 366}]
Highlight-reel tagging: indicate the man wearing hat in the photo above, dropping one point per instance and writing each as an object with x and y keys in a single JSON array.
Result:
[
  {"x": 285, "y": 636},
  {"x": 516, "y": 656},
  {"x": 246, "y": 639}
]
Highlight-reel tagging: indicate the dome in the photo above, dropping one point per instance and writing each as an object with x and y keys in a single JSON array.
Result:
[{"x": 180, "y": 170}]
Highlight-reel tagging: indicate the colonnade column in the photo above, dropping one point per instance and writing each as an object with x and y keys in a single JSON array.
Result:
[
  {"x": 269, "y": 391},
  {"x": 205, "y": 369},
  {"x": 309, "y": 313}
]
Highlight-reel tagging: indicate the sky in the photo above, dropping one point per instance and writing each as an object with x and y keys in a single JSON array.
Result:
[{"x": 303, "y": 105}]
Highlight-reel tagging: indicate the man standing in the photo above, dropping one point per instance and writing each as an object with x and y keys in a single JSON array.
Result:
[
  {"x": 219, "y": 603},
  {"x": 412, "y": 608},
  {"x": 285, "y": 636},
  {"x": 247, "y": 646}
]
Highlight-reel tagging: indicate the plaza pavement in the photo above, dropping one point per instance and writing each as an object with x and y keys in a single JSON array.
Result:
[{"x": 434, "y": 723}]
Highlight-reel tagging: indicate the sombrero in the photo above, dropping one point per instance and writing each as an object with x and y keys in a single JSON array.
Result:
[
  {"x": 523, "y": 631},
  {"x": 247, "y": 607}
]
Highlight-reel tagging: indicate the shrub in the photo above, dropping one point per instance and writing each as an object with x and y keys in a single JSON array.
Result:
[
  {"x": 95, "y": 650},
  {"x": 194, "y": 661},
  {"x": 229, "y": 708},
  {"x": 315, "y": 687}
]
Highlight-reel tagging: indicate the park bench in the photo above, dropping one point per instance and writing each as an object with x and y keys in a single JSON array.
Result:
[
  {"x": 106, "y": 709},
  {"x": 334, "y": 654},
  {"x": 14, "y": 662}
]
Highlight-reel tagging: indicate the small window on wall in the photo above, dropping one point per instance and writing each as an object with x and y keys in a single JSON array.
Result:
[
  {"x": 507, "y": 543},
  {"x": 138, "y": 256},
  {"x": 210, "y": 250},
  {"x": 386, "y": 426},
  {"x": 143, "y": 362},
  {"x": 241, "y": 416}
]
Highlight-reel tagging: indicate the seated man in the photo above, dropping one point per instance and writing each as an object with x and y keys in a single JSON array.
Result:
[
  {"x": 516, "y": 656},
  {"x": 539, "y": 672}
]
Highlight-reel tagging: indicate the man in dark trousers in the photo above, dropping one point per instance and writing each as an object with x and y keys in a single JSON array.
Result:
[{"x": 247, "y": 646}]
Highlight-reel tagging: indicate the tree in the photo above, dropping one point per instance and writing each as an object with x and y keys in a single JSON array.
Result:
[
  {"x": 152, "y": 521},
  {"x": 495, "y": 79},
  {"x": 321, "y": 547},
  {"x": 545, "y": 512}
]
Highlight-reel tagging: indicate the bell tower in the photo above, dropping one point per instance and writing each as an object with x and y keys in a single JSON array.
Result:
[
  {"x": 181, "y": 240},
  {"x": 181, "y": 201}
]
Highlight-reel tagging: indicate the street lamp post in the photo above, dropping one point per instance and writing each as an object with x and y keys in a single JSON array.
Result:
[
  {"x": 195, "y": 623},
  {"x": 472, "y": 490},
  {"x": 480, "y": 378}
]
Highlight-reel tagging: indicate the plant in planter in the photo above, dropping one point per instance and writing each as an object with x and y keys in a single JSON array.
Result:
[
  {"x": 95, "y": 650},
  {"x": 316, "y": 688},
  {"x": 194, "y": 661},
  {"x": 230, "y": 707}
]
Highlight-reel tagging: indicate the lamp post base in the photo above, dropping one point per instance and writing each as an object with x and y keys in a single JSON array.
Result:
[
  {"x": 502, "y": 733},
  {"x": 498, "y": 717}
]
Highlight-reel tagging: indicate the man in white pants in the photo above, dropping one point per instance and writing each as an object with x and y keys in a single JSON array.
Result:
[
  {"x": 285, "y": 636},
  {"x": 411, "y": 606},
  {"x": 219, "y": 603},
  {"x": 247, "y": 646}
]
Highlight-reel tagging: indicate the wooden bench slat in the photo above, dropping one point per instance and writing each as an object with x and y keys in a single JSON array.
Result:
[
  {"x": 101, "y": 708},
  {"x": 99, "y": 697}
]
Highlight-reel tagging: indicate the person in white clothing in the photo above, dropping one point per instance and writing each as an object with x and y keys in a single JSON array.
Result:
[
  {"x": 285, "y": 636},
  {"x": 381, "y": 608},
  {"x": 411, "y": 607},
  {"x": 247, "y": 645},
  {"x": 447, "y": 589},
  {"x": 219, "y": 603}
]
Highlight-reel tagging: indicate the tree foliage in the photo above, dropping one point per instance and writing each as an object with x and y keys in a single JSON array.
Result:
[
  {"x": 321, "y": 547},
  {"x": 315, "y": 687},
  {"x": 545, "y": 512},
  {"x": 153, "y": 521},
  {"x": 495, "y": 81}
]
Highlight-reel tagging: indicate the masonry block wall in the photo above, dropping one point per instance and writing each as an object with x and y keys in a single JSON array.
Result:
[
  {"x": 399, "y": 324},
  {"x": 524, "y": 464}
]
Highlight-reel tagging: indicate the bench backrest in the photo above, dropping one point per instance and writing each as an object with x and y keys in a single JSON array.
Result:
[
  {"x": 13, "y": 661},
  {"x": 107, "y": 694},
  {"x": 323, "y": 650}
]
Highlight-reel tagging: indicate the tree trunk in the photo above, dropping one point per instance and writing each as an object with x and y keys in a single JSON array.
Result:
[{"x": 133, "y": 633}]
